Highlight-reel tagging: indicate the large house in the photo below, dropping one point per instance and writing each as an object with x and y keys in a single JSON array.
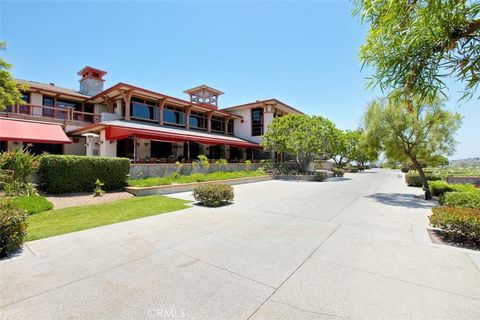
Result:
[{"x": 137, "y": 123}]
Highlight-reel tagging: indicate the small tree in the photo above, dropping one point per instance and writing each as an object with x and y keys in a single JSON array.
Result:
[
  {"x": 301, "y": 136},
  {"x": 425, "y": 130},
  {"x": 346, "y": 147},
  {"x": 9, "y": 93}
]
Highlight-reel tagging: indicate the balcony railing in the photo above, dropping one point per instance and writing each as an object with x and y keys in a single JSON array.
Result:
[{"x": 55, "y": 113}]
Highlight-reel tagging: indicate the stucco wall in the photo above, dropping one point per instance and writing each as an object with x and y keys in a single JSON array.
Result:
[
  {"x": 244, "y": 130},
  {"x": 36, "y": 99},
  {"x": 107, "y": 148},
  {"x": 77, "y": 149}
]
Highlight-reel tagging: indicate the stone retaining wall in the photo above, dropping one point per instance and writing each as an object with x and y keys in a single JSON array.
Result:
[
  {"x": 464, "y": 180},
  {"x": 141, "y": 171}
]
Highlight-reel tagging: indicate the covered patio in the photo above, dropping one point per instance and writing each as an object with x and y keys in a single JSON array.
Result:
[{"x": 144, "y": 143}]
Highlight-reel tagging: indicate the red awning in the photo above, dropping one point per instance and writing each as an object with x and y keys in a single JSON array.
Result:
[
  {"x": 117, "y": 133},
  {"x": 35, "y": 132}
]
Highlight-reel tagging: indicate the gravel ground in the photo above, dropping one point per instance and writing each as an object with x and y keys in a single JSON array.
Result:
[{"x": 81, "y": 199}]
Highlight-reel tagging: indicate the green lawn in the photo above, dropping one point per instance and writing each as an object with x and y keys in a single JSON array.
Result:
[
  {"x": 32, "y": 204},
  {"x": 55, "y": 222},
  {"x": 196, "y": 177}
]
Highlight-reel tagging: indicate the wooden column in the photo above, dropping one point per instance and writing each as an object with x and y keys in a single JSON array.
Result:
[
  {"x": 127, "y": 97},
  {"x": 187, "y": 114},
  {"x": 135, "y": 149},
  {"x": 161, "y": 104},
  {"x": 227, "y": 119},
  {"x": 209, "y": 121}
]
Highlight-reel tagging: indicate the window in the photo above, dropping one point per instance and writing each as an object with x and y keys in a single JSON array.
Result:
[
  {"x": 143, "y": 109},
  {"x": 257, "y": 122},
  {"x": 218, "y": 124},
  {"x": 66, "y": 104},
  {"x": 231, "y": 127},
  {"x": 26, "y": 97},
  {"x": 159, "y": 149},
  {"x": 198, "y": 120},
  {"x": 48, "y": 102},
  {"x": 174, "y": 115},
  {"x": 69, "y": 104},
  {"x": 25, "y": 109}
]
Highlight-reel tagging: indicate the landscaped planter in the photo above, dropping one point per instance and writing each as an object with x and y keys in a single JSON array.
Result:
[{"x": 184, "y": 187}]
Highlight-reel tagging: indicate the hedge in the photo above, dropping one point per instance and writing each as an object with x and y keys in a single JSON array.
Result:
[
  {"x": 469, "y": 199},
  {"x": 412, "y": 179},
  {"x": 439, "y": 188},
  {"x": 457, "y": 223},
  {"x": 67, "y": 174}
]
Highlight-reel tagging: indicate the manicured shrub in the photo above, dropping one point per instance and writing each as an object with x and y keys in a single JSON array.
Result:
[
  {"x": 32, "y": 204},
  {"x": 405, "y": 169},
  {"x": 412, "y": 179},
  {"x": 320, "y": 176},
  {"x": 66, "y": 174},
  {"x": 438, "y": 188},
  {"x": 457, "y": 222},
  {"x": 353, "y": 170},
  {"x": 213, "y": 195},
  {"x": 13, "y": 227},
  {"x": 337, "y": 172},
  {"x": 469, "y": 199}
]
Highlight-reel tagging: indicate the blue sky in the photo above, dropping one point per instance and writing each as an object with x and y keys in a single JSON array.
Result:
[{"x": 302, "y": 53}]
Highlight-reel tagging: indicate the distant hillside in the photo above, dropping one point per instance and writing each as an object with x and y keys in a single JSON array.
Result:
[{"x": 470, "y": 162}]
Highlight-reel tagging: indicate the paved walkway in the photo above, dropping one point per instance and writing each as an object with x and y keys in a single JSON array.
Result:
[{"x": 350, "y": 249}]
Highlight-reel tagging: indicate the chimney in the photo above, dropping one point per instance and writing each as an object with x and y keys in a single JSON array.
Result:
[{"x": 92, "y": 81}]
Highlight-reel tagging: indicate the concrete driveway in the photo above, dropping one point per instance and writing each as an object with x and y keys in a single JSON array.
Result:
[{"x": 354, "y": 249}]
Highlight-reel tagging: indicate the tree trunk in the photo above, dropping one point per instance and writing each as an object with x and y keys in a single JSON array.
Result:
[{"x": 428, "y": 195}]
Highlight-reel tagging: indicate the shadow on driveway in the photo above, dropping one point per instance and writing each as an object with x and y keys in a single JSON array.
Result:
[{"x": 406, "y": 200}]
